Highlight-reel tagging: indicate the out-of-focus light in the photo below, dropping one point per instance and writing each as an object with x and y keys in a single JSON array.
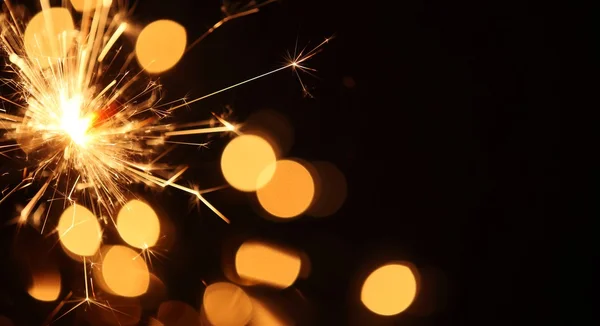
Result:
[
  {"x": 79, "y": 231},
  {"x": 226, "y": 304},
  {"x": 248, "y": 162},
  {"x": 264, "y": 314},
  {"x": 389, "y": 290},
  {"x": 160, "y": 45},
  {"x": 156, "y": 293},
  {"x": 290, "y": 191},
  {"x": 84, "y": 5},
  {"x": 267, "y": 264},
  {"x": 155, "y": 322},
  {"x": 49, "y": 35},
  {"x": 45, "y": 285},
  {"x": 138, "y": 224},
  {"x": 273, "y": 127},
  {"x": 4, "y": 321},
  {"x": 176, "y": 313},
  {"x": 124, "y": 272},
  {"x": 330, "y": 189}
]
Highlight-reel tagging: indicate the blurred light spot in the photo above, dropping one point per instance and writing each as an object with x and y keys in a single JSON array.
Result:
[
  {"x": 138, "y": 224},
  {"x": 273, "y": 127},
  {"x": 83, "y": 5},
  {"x": 389, "y": 290},
  {"x": 79, "y": 231},
  {"x": 49, "y": 35},
  {"x": 306, "y": 265},
  {"x": 226, "y": 304},
  {"x": 45, "y": 285},
  {"x": 125, "y": 272},
  {"x": 156, "y": 293},
  {"x": 267, "y": 264},
  {"x": 176, "y": 313},
  {"x": 331, "y": 189},
  {"x": 4, "y": 321},
  {"x": 264, "y": 314},
  {"x": 160, "y": 45},
  {"x": 349, "y": 82},
  {"x": 289, "y": 192},
  {"x": 154, "y": 322},
  {"x": 248, "y": 162}
]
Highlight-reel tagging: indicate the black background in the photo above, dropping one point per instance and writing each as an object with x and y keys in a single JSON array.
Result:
[{"x": 448, "y": 141}]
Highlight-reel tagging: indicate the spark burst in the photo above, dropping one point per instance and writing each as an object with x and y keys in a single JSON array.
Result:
[{"x": 90, "y": 123}]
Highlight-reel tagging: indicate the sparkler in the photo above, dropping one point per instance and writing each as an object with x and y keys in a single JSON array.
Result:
[
  {"x": 88, "y": 126},
  {"x": 88, "y": 122}
]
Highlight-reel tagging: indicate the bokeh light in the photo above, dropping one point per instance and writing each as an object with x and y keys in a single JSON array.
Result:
[
  {"x": 49, "y": 35},
  {"x": 289, "y": 192},
  {"x": 273, "y": 127},
  {"x": 123, "y": 272},
  {"x": 84, "y": 5},
  {"x": 389, "y": 290},
  {"x": 45, "y": 285},
  {"x": 267, "y": 264},
  {"x": 138, "y": 224},
  {"x": 155, "y": 322},
  {"x": 79, "y": 231},
  {"x": 265, "y": 314},
  {"x": 248, "y": 162},
  {"x": 156, "y": 293},
  {"x": 160, "y": 45},
  {"x": 177, "y": 313},
  {"x": 331, "y": 189},
  {"x": 226, "y": 304},
  {"x": 4, "y": 321}
]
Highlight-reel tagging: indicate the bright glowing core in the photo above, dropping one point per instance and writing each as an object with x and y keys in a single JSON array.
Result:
[{"x": 71, "y": 121}]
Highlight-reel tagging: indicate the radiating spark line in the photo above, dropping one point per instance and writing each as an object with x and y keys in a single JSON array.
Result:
[
  {"x": 11, "y": 102},
  {"x": 57, "y": 308},
  {"x": 27, "y": 210},
  {"x": 205, "y": 191},
  {"x": 85, "y": 276},
  {"x": 48, "y": 212},
  {"x": 198, "y": 131},
  {"x": 73, "y": 188},
  {"x": 175, "y": 177},
  {"x": 229, "y": 18},
  {"x": 70, "y": 310},
  {"x": 112, "y": 41},
  {"x": 185, "y": 143},
  {"x": 229, "y": 87}
]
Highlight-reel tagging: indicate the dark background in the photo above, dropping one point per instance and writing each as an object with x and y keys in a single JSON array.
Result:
[{"x": 448, "y": 140}]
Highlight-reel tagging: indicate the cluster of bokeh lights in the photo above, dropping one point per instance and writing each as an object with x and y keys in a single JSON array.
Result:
[{"x": 119, "y": 282}]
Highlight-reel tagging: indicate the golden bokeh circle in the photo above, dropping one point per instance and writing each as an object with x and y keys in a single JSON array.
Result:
[
  {"x": 125, "y": 272},
  {"x": 138, "y": 224},
  {"x": 226, "y": 304},
  {"x": 79, "y": 231},
  {"x": 48, "y": 36},
  {"x": 289, "y": 192},
  {"x": 160, "y": 45},
  {"x": 248, "y": 162},
  {"x": 389, "y": 290}
]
